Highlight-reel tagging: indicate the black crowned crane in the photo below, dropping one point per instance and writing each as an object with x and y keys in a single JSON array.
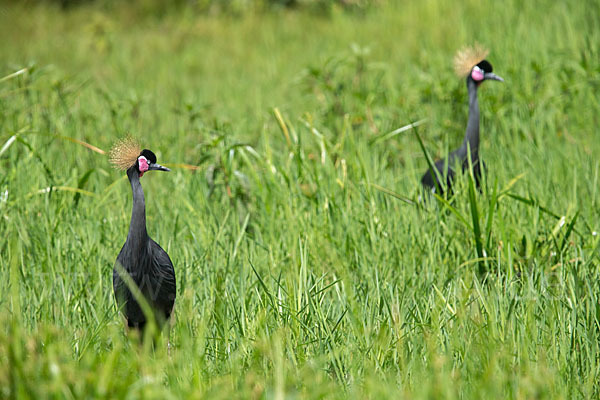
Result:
[
  {"x": 141, "y": 258},
  {"x": 472, "y": 63}
]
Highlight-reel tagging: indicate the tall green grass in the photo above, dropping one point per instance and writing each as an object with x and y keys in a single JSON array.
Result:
[{"x": 306, "y": 266}]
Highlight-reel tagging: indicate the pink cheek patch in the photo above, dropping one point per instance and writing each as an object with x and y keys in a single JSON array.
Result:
[
  {"x": 477, "y": 75},
  {"x": 142, "y": 165}
]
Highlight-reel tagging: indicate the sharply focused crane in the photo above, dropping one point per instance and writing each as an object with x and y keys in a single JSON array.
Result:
[
  {"x": 472, "y": 63},
  {"x": 146, "y": 264}
]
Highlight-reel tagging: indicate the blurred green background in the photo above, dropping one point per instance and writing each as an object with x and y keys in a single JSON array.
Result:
[{"x": 305, "y": 266}]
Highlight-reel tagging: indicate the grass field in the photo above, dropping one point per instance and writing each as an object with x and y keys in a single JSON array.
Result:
[{"x": 302, "y": 269}]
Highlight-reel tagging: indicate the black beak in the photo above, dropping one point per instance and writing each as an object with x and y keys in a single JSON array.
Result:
[
  {"x": 157, "y": 167},
  {"x": 492, "y": 76}
]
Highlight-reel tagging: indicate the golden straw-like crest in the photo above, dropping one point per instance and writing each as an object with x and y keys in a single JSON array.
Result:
[
  {"x": 124, "y": 153},
  {"x": 467, "y": 57}
]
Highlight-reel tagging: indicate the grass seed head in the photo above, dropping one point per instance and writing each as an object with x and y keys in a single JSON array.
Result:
[
  {"x": 467, "y": 57},
  {"x": 124, "y": 153}
]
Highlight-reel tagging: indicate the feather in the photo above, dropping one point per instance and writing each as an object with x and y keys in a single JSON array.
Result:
[
  {"x": 124, "y": 153},
  {"x": 467, "y": 57}
]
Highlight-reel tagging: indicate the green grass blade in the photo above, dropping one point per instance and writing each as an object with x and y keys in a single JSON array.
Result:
[
  {"x": 476, "y": 228},
  {"x": 431, "y": 165}
]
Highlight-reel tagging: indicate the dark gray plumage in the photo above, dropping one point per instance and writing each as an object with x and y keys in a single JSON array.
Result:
[
  {"x": 148, "y": 265},
  {"x": 483, "y": 70}
]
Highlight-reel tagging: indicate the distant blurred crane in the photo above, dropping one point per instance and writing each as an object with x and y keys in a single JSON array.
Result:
[
  {"x": 470, "y": 62},
  {"x": 141, "y": 258}
]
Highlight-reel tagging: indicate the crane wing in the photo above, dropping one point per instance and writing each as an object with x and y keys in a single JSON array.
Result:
[{"x": 164, "y": 278}]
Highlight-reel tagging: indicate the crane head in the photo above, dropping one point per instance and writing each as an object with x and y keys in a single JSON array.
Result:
[
  {"x": 483, "y": 71},
  {"x": 472, "y": 63},
  {"x": 126, "y": 155},
  {"x": 146, "y": 161}
]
